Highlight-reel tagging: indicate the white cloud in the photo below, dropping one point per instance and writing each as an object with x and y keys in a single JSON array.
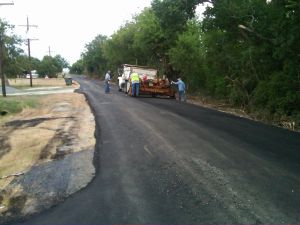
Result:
[{"x": 67, "y": 25}]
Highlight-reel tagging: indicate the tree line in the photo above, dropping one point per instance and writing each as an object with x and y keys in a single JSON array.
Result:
[
  {"x": 16, "y": 62},
  {"x": 246, "y": 53}
]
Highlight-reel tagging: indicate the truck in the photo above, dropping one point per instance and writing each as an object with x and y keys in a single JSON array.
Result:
[
  {"x": 150, "y": 84},
  {"x": 34, "y": 75}
]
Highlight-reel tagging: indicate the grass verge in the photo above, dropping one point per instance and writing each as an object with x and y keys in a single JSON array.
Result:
[{"x": 13, "y": 105}]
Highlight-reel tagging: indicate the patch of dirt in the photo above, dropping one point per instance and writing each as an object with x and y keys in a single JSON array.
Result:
[
  {"x": 23, "y": 82},
  {"x": 62, "y": 126}
]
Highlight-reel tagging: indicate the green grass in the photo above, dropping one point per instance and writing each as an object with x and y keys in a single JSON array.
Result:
[{"x": 13, "y": 105}]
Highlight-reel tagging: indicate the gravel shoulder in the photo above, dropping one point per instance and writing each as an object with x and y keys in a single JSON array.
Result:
[{"x": 35, "y": 145}]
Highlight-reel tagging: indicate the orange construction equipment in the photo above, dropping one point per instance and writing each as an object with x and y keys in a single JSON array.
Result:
[{"x": 149, "y": 83}]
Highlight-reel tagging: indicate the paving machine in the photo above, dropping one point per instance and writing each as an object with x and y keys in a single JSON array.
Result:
[{"x": 150, "y": 84}]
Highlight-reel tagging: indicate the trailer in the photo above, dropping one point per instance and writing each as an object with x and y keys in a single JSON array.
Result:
[{"x": 150, "y": 84}]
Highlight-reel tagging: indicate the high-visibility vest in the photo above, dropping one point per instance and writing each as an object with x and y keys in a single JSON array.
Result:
[{"x": 135, "y": 78}]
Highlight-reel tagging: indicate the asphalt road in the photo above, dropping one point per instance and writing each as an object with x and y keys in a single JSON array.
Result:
[{"x": 161, "y": 161}]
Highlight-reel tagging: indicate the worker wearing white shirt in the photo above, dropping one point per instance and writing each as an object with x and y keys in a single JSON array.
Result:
[{"x": 106, "y": 80}]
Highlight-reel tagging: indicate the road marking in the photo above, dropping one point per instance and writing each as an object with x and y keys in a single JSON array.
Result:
[{"x": 147, "y": 150}]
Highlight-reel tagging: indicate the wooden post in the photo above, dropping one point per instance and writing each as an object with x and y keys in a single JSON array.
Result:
[{"x": 1, "y": 68}]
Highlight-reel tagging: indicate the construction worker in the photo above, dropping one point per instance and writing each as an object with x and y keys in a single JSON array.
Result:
[
  {"x": 106, "y": 80},
  {"x": 181, "y": 89},
  {"x": 135, "y": 84},
  {"x": 121, "y": 80}
]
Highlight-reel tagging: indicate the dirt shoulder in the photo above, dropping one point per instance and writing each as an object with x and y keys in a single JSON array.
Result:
[{"x": 46, "y": 154}]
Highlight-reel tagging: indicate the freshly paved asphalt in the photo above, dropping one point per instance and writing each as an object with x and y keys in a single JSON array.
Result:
[{"x": 160, "y": 161}]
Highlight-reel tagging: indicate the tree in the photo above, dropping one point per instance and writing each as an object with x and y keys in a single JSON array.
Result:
[
  {"x": 8, "y": 51},
  {"x": 62, "y": 63},
  {"x": 187, "y": 56},
  {"x": 252, "y": 52},
  {"x": 172, "y": 16},
  {"x": 77, "y": 67},
  {"x": 234, "y": 39},
  {"x": 119, "y": 49},
  {"x": 21, "y": 65},
  {"x": 279, "y": 93},
  {"x": 148, "y": 39},
  {"x": 93, "y": 58},
  {"x": 52, "y": 65}
]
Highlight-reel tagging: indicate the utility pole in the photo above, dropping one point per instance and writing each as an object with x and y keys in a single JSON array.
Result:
[
  {"x": 2, "y": 58},
  {"x": 1, "y": 69},
  {"x": 49, "y": 51},
  {"x": 28, "y": 43}
]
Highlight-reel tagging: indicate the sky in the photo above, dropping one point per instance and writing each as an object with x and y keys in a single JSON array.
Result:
[{"x": 68, "y": 25}]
